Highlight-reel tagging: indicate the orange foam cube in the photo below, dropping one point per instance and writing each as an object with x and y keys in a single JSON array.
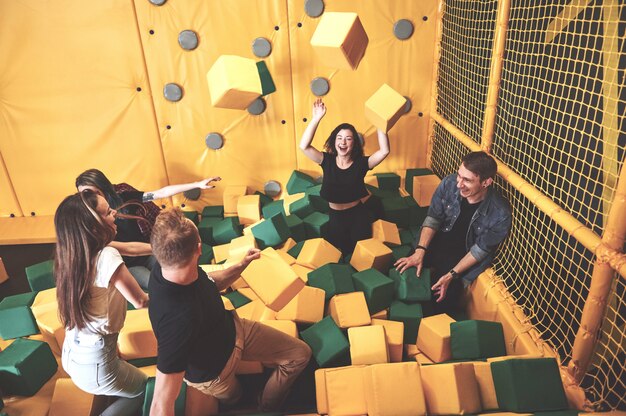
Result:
[
  {"x": 394, "y": 389},
  {"x": 386, "y": 231},
  {"x": 394, "y": 335},
  {"x": 424, "y": 188},
  {"x": 349, "y": 309},
  {"x": 136, "y": 339},
  {"x": 433, "y": 337},
  {"x": 231, "y": 196},
  {"x": 450, "y": 389},
  {"x": 306, "y": 307},
  {"x": 249, "y": 209},
  {"x": 317, "y": 252},
  {"x": 385, "y": 107},
  {"x": 368, "y": 345},
  {"x": 340, "y": 40},
  {"x": 371, "y": 253}
]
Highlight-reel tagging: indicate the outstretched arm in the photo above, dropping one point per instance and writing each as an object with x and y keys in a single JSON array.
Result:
[
  {"x": 224, "y": 278},
  {"x": 132, "y": 248},
  {"x": 172, "y": 190},
  {"x": 129, "y": 288},
  {"x": 166, "y": 390},
  {"x": 319, "y": 110},
  {"x": 382, "y": 152}
]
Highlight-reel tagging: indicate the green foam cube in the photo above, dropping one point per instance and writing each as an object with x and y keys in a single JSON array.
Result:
[
  {"x": 410, "y": 314},
  {"x": 417, "y": 214},
  {"x": 213, "y": 211},
  {"x": 377, "y": 288},
  {"x": 410, "y": 288},
  {"x": 263, "y": 199},
  {"x": 299, "y": 182},
  {"x": 237, "y": 299},
  {"x": 25, "y": 366},
  {"x": 388, "y": 181},
  {"x": 296, "y": 227},
  {"x": 406, "y": 237},
  {"x": 205, "y": 228},
  {"x": 326, "y": 340},
  {"x": 207, "y": 254},
  {"x": 225, "y": 230},
  {"x": 271, "y": 232},
  {"x": 273, "y": 208},
  {"x": 333, "y": 278},
  {"x": 315, "y": 225},
  {"x": 267, "y": 83},
  {"x": 295, "y": 250},
  {"x": 528, "y": 385},
  {"x": 40, "y": 276},
  {"x": 179, "y": 404},
  {"x": 16, "y": 318},
  {"x": 473, "y": 339},
  {"x": 400, "y": 251},
  {"x": 396, "y": 210},
  {"x": 303, "y": 207},
  {"x": 382, "y": 193},
  {"x": 314, "y": 190}
]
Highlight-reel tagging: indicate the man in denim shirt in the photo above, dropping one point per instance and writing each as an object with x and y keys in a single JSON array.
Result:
[{"x": 466, "y": 222}]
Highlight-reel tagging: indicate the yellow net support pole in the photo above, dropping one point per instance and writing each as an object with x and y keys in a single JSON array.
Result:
[
  {"x": 571, "y": 225},
  {"x": 435, "y": 80},
  {"x": 607, "y": 260},
  {"x": 495, "y": 74}
]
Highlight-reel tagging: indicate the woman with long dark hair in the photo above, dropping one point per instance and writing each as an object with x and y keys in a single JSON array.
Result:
[
  {"x": 344, "y": 167},
  {"x": 93, "y": 285},
  {"x": 136, "y": 216}
]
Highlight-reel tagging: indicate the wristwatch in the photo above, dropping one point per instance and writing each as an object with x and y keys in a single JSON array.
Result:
[{"x": 454, "y": 274}]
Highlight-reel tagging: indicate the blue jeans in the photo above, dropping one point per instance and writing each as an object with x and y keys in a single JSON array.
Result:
[{"x": 95, "y": 368}]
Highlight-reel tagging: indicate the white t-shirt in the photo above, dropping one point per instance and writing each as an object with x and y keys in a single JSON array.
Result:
[{"x": 107, "y": 307}]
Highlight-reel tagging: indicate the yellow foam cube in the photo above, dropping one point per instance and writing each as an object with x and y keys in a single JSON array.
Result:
[
  {"x": 385, "y": 107},
  {"x": 288, "y": 244},
  {"x": 368, "y": 345},
  {"x": 349, "y": 309},
  {"x": 256, "y": 311},
  {"x": 279, "y": 255},
  {"x": 317, "y": 252},
  {"x": 487, "y": 389},
  {"x": 68, "y": 399},
  {"x": 421, "y": 358},
  {"x": 371, "y": 180},
  {"x": 247, "y": 292},
  {"x": 381, "y": 314},
  {"x": 302, "y": 271},
  {"x": 228, "y": 305},
  {"x": 371, "y": 253},
  {"x": 46, "y": 313},
  {"x": 273, "y": 281},
  {"x": 424, "y": 188},
  {"x": 394, "y": 389},
  {"x": 247, "y": 230},
  {"x": 411, "y": 350},
  {"x": 289, "y": 199},
  {"x": 394, "y": 334},
  {"x": 210, "y": 268},
  {"x": 4, "y": 276},
  {"x": 306, "y": 307},
  {"x": 234, "y": 82},
  {"x": 386, "y": 231},
  {"x": 249, "y": 209},
  {"x": 136, "y": 339},
  {"x": 149, "y": 370},
  {"x": 341, "y": 391},
  {"x": 340, "y": 40},
  {"x": 231, "y": 196},
  {"x": 221, "y": 252},
  {"x": 433, "y": 338},
  {"x": 239, "y": 284},
  {"x": 450, "y": 389},
  {"x": 239, "y": 246},
  {"x": 284, "y": 326}
]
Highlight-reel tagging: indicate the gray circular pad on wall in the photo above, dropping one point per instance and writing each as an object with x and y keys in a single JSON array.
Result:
[
  {"x": 188, "y": 40},
  {"x": 158, "y": 2},
  {"x": 408, "y": 105},
  {"x": 214, "y": 141},
  {"x": 173, "y": 92},
  {"x": 261, "y": 48},
  {"x": 192, "y": 194},
  {"x": 314, "y": 8},
  {"x": 320, "y": 86},
  {"x": 257, "y": 107},
  {"x": 272, "y": 188},
  {"x": 403, "y": 29}
]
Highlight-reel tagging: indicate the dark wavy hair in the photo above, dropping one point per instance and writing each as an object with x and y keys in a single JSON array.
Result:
[
  {"x": 95, "y": 178},
  {"x": 481, "y": 164},
  {"x": 357, "y": 147},
  {"x": 81, "y": 235}
]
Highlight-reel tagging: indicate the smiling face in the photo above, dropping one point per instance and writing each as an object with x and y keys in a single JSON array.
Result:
[
  {"x": 106, "y": 213},
  {"x": 344, "y": 142},
  {"x": 470, "y": 186}
]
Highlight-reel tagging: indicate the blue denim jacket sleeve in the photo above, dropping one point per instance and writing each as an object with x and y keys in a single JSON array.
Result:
[
  {"x": 436, "y": 211},
  {"x": 496, "y": 232}
]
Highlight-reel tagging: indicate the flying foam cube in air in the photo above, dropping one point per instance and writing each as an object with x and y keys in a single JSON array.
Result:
[
  {"x": 368, "y": 345},
  {"x": 433, "y": 337},
  {"x": 340, "y": 40},
  {"x": 384, "y": 108},
  {"x": 234, "y": 82}
]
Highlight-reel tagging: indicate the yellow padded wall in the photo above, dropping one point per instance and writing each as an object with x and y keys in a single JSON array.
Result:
[
  {"x": 256, "y": 148},
  {"x": 406, "y": 66},
  {"x": 69, "y": 79}
]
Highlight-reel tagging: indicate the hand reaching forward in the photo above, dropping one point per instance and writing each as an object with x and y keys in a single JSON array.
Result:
[
  {"x": 252, "y": 254},
  {"x": 319, "y": 109},
  {"x": 415, "y": 260},
  {"x": 206, "y": 183}
]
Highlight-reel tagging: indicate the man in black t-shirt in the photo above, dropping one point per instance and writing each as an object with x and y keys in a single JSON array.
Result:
[
  {"x": 466, "y": 222},
  {"x": 198, "y": 340}
]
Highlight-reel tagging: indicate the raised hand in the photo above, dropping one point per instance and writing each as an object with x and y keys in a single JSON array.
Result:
[
  {"x": 206, "y": 183},
  {"x": 319, "y": 109}
]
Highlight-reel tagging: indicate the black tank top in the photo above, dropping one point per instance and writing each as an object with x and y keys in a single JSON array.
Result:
[{"x": 343, "y": 185}]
